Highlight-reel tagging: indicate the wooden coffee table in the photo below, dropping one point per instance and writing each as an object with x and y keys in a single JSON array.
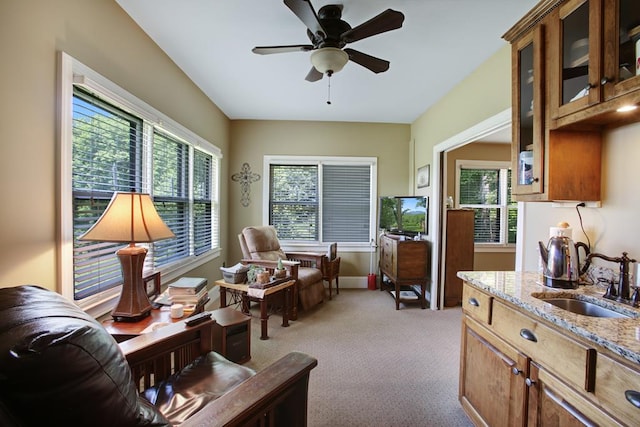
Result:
[{"x": 261, "y": 296}]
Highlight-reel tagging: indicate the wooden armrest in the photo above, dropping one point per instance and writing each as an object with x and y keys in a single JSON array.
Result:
[
  {"x": 277, "y": 394},
  {"x": 156, "y": 355},
  {"x": 268, "y": 263},
  {"x": 308, "y": 259}
]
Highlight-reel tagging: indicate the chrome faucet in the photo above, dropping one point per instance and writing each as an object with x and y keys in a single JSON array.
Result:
[{"x": 623, "y": 292}]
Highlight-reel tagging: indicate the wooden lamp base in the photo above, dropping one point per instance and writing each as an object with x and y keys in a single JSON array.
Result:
[{"x": 134, "y": 303}]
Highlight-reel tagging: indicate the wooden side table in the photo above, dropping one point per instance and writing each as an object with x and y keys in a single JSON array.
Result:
[
  {"x": 243, "y": 288},
  {"x": 232, "y": 334},
  {"x": 123, "y": 331}
]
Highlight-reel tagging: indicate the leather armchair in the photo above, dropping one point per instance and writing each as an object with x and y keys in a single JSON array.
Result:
[
  {"x": 260, "y": 246},
  {"x": 58, "y": 366}
]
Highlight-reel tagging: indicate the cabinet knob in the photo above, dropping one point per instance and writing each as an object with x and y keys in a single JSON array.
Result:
[
  {"x": 604, "y": 81},
  {"x": 528, "y": 335},
  {"x": 474, "y": 302},
  {"x": 536, "y": 179},
  {"x": 515, "y": 371},
  {"x": 529, "y": 382},
  {"x": 633, "y": 397}
]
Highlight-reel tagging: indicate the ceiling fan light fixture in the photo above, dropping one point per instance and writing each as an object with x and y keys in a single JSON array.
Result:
[{"x": 329, "y": 59}]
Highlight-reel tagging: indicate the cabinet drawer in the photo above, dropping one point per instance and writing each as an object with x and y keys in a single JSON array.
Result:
[
  {"x": 558, "y": 353},
  {"x": 614, "y": 381},
  {"x": 476, "y": 304}
]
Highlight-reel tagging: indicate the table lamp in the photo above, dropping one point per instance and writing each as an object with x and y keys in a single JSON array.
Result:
[{"x": 131, "y": 218}]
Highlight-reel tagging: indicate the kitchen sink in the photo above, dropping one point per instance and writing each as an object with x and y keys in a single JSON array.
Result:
[{"x": 584, "y": 308}]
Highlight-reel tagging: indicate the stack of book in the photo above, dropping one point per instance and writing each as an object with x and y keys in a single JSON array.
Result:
[{"x": 189, "y": 290}]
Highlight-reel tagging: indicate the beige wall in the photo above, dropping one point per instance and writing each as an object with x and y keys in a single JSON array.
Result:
[
  {"x": 253, "y": 139},
  {"x": 483, "y": 94},
  {"x": 101, "y": 35}
]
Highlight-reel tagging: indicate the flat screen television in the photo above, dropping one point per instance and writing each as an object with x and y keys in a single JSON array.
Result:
[{"x": 405, "y": 215}]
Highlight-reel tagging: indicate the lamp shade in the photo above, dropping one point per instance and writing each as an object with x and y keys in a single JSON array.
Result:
[
  {"x": 129, "y": 217},
  {"x": 329, "y": 59}
]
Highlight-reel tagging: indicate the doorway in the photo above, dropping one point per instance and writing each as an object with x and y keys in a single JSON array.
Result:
[{"x": 494, "y": 125}]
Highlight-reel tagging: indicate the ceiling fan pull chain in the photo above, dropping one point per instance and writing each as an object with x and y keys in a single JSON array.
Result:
[{"x": 328, "y": 88}]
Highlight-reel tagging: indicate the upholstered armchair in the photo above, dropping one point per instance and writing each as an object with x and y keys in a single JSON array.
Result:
[
  {"x": 58, "y": 366},
  {"x": 260, "y": 245}
]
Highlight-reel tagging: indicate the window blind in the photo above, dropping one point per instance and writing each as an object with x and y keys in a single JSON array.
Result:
[
  {"x": 171, "y": 196},
  {"x": 488, "y": 192},
  {"x": 294, "y": 207},
  {"x": 202, "y": 201},
  {"x": 107, "y": 143},
  {"x": 346, "y": 200},
  {"x": 321, "y": 201}
]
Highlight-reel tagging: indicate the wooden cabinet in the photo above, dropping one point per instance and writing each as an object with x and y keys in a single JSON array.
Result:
[
  {"x": 232, "y": 334},
  {"x": 492, "y": 375},
  {"x": 593, "y": 62},
  {"x": 534, "y": 374},
  {"x": 575, "y": 56},
  {"x": 405, "y": 264},
  {"x": 459, "y": 249},
  {"x": 618, "y": 388},
  {"x": 548, "y": 163},
  {"x": 588, "y": 61},
  {"x": 621, "y": 31},
  {"x": 550, "y": 402},
  {"x": 528, "y": 119}
]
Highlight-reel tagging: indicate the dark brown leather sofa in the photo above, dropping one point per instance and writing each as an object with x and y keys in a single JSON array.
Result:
[{"x": 58, "y": 366}]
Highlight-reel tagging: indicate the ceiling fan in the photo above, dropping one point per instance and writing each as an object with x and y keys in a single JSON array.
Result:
[{"x": 329, "y": 34}]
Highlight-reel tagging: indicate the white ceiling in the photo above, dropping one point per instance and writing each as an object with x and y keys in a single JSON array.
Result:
[{"x": 440, "y": 43}]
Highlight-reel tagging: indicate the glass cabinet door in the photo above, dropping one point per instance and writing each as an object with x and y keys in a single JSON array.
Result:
[
  {"x": 579, "y": 56},
  {"x": 528, "y": 113},
  {"x": 622, "y": 47}
]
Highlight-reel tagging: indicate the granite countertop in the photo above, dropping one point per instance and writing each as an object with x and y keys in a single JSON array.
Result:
[{"x": 523, "y": 289}]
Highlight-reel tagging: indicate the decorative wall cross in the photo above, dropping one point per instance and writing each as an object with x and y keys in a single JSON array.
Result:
[{"x": 245, "y": 177}]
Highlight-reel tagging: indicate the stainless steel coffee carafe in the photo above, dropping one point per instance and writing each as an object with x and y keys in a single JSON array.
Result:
[{"x": 561, "y": 262}]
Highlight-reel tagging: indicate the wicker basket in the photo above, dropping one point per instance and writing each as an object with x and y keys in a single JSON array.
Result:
[{"x": 237, "y": 277}]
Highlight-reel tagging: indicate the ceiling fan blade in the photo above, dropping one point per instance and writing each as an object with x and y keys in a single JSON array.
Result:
[
  {"x": 268, "y": 50},
  {"x": 386, "y": 21},
  {"x": 374, "y": 64},
  {"x": 305, "y": 12},
  {"x": 314, "y": 75}
]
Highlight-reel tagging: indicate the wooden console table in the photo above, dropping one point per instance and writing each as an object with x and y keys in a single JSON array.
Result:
[
  {"x": 405, "y": 263},
  {"x": 261, "y": 296}
]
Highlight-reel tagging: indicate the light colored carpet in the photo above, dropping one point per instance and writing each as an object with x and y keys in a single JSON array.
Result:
[{"x": 376, "y": 366}]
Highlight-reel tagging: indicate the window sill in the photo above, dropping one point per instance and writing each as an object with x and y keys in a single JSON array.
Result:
[
  {"x": 483, "y": 247},
  {"x": 324, "y": 247}
]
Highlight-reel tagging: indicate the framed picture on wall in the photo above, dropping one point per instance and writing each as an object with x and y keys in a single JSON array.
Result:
[{"x": 423, "y": 177}]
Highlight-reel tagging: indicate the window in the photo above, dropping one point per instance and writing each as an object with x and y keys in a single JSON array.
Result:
[
  {"x": 485, "y": 187},
  {"x": 111, "y": 141},
  {"x": 320, "y": 200}
]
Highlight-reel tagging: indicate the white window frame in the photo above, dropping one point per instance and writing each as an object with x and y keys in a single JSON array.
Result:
[
  {"x": 372, "y": 162},
  {"x": 502, "y": 246},
  {"x": 73, "y": 72}
]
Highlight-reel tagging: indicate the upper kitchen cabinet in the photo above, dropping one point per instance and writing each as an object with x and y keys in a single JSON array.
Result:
[
  {"x": 621, "y": 47},
  {"x": 548, "y": 164},
  {"x": 574, "y": 53},
  {"x": 527, "y": 110},
  {"x": 592, "y": 62}
]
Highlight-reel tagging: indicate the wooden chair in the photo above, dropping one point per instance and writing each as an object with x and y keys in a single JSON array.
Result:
[
  {"x": 260, "y": 246},
  {"x": 331, "y": 269}
]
